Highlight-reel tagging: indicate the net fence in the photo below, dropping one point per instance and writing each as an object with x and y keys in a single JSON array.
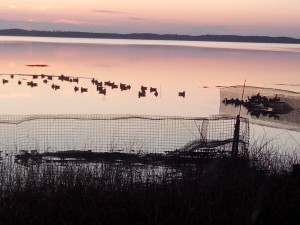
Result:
[{"x": 120, "y": 133}]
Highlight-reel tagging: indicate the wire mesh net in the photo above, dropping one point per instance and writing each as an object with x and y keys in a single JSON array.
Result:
[{"x": 120, "y": 133}]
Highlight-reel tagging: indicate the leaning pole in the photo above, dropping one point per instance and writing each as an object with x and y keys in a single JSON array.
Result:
[{"x": 235, "y": 142}]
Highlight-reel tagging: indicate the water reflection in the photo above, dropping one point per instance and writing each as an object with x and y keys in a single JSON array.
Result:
[{"x": 171, "y": 67}]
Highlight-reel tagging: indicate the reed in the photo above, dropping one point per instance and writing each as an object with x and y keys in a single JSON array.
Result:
[{"x": 219, "y": 191}]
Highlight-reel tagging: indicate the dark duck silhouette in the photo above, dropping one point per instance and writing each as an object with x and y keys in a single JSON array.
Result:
[
  {"x": 55, "y": 87},
  {"x": 32, "y": 84},
  {"x": 235, "y": 101},
  {"x": 100, "y": 88},
  {"x": 114, "y": 86},
  {"x": 142, "y": 94},
  {"x": 152, "y": 89},
  {"x": 108, "y": 83},
  {"x": 4, "y": 81},
  {"x": 124, "y": 87},
  {"x": 99, "y": 84},
  {"x": 61, "y": 77},
  {"x": 82, "y": 90},
  {"x": 76, "y": 80},
  {"x": 102, "y": 91},
  {"x": 64, "y": 78},
  {"x": 93, "y": 81},
  {"x": 143, "y": 88},
  {"x": 181, "y": 94},
  {"x": 275, "y": 99}
]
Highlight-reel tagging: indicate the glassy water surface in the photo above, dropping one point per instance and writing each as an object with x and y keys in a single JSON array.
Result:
[{"x": 200, "y": 69}]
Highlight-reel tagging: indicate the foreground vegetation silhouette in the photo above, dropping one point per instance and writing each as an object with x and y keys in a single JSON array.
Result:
[{"x": 219, "y": 191}]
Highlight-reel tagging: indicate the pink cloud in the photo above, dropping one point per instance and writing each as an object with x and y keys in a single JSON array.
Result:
[
  {"x": 77, "y": 22},
  {"x": 46, "y": 7},
  {"x": 66, "y": 21}
]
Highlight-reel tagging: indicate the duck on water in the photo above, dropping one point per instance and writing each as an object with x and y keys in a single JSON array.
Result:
[{"x": 261, "y": 103}]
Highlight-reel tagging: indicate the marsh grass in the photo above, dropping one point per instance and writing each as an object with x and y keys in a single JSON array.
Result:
[
  {"x": 217, "y": 191},
  {"x": 272, "y": 156}
]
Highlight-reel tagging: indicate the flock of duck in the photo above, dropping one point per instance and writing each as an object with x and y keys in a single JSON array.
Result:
[
  {"x": 258, "y": 105},
  {"x": 258, "y": 98},
  {"x": 101, "y": 87}
]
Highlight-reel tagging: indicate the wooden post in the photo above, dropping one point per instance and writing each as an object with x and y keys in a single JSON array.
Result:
[{"x": 235, "y": 142}]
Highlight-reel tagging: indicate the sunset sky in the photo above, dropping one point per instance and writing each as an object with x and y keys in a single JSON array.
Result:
[{"x": 194, "y": 17}]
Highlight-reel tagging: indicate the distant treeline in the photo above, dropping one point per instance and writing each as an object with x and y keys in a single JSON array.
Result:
[{"x": 150, "y": 36}]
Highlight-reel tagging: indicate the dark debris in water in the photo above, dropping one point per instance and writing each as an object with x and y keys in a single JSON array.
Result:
[
  {"x": 37, "y": 65},
  {"x": 34, "y": 157}
]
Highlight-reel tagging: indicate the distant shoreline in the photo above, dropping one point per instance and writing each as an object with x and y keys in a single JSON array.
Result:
[{"x": 150, "y": 36}]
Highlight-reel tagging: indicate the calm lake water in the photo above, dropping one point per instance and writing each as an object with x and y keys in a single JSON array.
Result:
[{"x": 199, "y": 68}]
